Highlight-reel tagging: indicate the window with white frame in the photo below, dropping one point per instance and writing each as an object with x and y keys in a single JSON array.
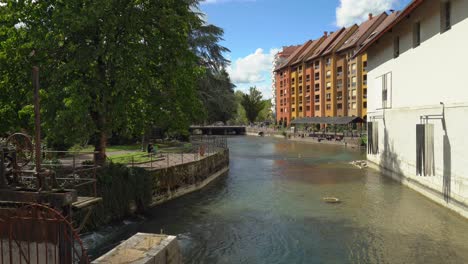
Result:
[{"x": 384, "y": 82}]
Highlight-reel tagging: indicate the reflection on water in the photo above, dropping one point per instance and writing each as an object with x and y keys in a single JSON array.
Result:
[{"x": 268, "y": 209}]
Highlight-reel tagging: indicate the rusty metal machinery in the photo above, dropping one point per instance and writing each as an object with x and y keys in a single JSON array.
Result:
[{"x": 16, "y": 153}]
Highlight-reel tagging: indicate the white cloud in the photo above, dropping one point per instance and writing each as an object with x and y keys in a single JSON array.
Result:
[
  {"x": 356, "y": 11},
  {"x": 253, "y": 68}
]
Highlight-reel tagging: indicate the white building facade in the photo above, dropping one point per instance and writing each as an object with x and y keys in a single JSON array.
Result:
[{"x": 418, "y": 74}]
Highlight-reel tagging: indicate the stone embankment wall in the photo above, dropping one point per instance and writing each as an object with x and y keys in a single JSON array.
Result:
[
  {"x": 347, "y": 141},
  {"x": 170, "y": 183},
  {"x": 144, "y": 249}
]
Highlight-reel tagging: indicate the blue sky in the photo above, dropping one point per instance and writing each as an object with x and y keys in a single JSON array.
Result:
[{"x": 256, "y": 29}]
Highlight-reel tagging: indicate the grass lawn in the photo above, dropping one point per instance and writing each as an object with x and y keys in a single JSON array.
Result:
[
  {"x": 134, "y": 153},
  {"x": 90, "y": 148},
  {"x": 127, "y": 158},
  {"x": 163, "y": 147}
]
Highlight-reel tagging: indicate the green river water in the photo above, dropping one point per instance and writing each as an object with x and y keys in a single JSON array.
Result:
[{"x": 269, "y": 209}]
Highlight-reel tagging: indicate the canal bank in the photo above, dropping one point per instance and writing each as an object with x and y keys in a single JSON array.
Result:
[
  {"x": 269, "y": 209},
  {"x": 347, "y": 142}
]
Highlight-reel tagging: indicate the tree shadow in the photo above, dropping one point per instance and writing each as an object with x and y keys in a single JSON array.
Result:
[
  {"x": 447, "y": 173},
  {"x": 389, "y": 158}
]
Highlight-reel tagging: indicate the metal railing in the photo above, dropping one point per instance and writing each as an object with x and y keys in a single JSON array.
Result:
[
  {"x": 199, "y": 148},
  {"x": 72, "y": 170}
]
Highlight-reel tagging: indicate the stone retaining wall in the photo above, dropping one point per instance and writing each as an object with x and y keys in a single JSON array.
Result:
[{"x": 170, "y": 183}]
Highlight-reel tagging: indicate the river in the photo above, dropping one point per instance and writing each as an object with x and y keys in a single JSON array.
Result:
[{"x": 269, "y": 209}]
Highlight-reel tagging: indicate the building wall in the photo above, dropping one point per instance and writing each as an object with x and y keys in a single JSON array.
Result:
[
  {"x": 422, "y": 77},
  {"x": 363, "y": 91},
  {"x": 319, "y": 89},
  {"x": 309, "y": 90},
  {"x": 328, "y": 86},
  {"x": 294, "y": 93},
  {"x": 283, "y": 96},
  {"x": 340, "y": 86}
]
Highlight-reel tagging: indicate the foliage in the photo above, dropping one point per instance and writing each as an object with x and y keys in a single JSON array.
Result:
[
  {"x": 240, "y": 117},
  {"x": 364, "y": 140},
  {"x": 120, "y": 186},
  {"x": 106, "y": 66},
  {"x": 266, "y": 114},
  {"x": 215, "y": 88},
  {"x": 253, "y": 104},
  {"x": 217, "y": 94}
]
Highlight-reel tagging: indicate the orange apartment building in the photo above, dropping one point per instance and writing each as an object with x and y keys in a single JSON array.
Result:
[
  {"x": 281, "y": 83},
  {"x": 322, "y": 79}
]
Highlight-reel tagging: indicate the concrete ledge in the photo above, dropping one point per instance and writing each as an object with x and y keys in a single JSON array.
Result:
[
  {"x": 435, "y": 195},
  {"x": 144, "y": 249},
  {"x": 188, "y": 189}
]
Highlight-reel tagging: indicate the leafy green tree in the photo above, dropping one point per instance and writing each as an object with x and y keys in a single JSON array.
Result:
[
  {"x": 266, "y": 114},
  {"x": 253, "y": 104},
  {"x": 215, "y": 88},
  {"x": 106, "y": 66},
  {"x": 217, "y": 94},
  {"x": 240, "y": 117}
]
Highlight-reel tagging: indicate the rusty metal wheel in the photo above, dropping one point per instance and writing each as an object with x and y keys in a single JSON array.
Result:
[{"x": 23, "y": 147}]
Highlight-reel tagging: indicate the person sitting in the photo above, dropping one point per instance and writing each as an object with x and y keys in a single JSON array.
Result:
[{"x": 150, "y": 148}]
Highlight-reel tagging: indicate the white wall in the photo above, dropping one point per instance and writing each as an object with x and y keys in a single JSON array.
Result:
[{"x": 422, "y": 77}]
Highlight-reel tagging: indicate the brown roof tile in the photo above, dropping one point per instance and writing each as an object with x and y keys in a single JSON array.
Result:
[
  {"x": 294, "y": 55},
  {"x": 324, "y": 45},
  {"x": 392, "y": 20},
  {"x": 388, "y": 20},
  {"x": 339, "y": 39},
  {"x": 306, "y": 51},
  {"x": 363, "y": 31}
]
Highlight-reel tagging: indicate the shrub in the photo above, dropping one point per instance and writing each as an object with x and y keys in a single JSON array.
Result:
[{"x": 119, "y": 186}]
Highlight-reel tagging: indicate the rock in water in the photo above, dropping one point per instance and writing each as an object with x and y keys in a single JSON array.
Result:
[{"x": 331, "y": 200}]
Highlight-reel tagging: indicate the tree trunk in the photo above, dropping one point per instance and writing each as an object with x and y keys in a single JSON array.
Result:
[{"x": 100, "y": 142}]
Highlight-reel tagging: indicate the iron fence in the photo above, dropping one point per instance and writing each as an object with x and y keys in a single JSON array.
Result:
[
  {"x": 198, "y": 148},
  {"x": 34, "y": 233}
]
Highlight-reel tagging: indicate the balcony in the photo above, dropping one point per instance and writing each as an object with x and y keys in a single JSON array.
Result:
[
  {"x": 354, "y": 84},
  {"x": 328, "y": 99},
  {"x": 317, "y": 89},
  {"x": 339, "y": 98},
  {"x": 339, "y": 74},
  {"x": 317, "y": 100},
  {"x": 339, "y": 86}
]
